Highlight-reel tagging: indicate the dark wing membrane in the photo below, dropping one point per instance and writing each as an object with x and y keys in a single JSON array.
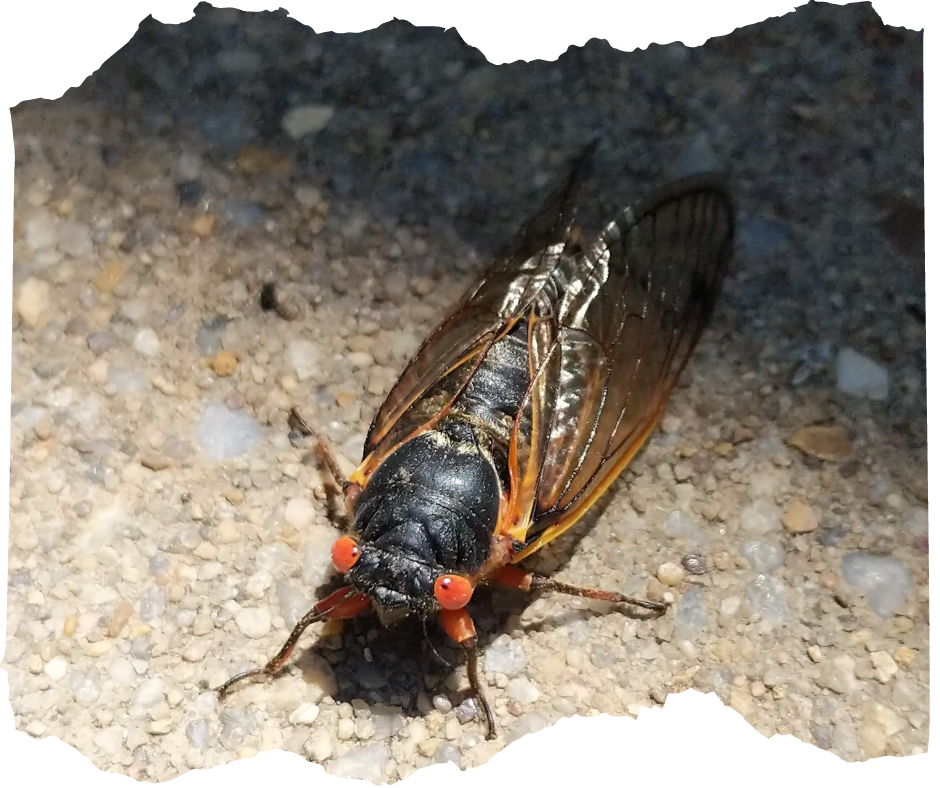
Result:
[
  {"x": 488, "y": 309},
  {"x": 627, "y": 320}
]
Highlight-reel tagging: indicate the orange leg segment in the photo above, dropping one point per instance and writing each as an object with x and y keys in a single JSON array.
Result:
[{"x": 459, "y": 626}]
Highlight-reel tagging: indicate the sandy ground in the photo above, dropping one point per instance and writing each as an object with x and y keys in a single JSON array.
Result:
[{"x": 167, "y": 530}]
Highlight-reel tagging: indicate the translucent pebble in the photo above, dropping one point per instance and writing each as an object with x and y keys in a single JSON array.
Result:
[
  {"x": 84, "y": 687},
  {"x": 467, "y": 711},
  {"x": 292, "y": 602},
  {"x": 691, "y": 617},
  {"x": 226, "y": 434},
  {"x": 304, "y": 357},
  {"x": 41, "y": 230},
  {"x": 126, "y": 380},
  {"x": 761, "y": 517},
  {"x": 447, "y": 753},
  {"x": 209, "y": 336},
  {"x": 885, "y": 580},
  {"x": 270, "y": 557},
  {"x": 206, "y": 703},
  {"x": 362, "y": 763},
  {"x": 110, "y": 739},
  {"x": 505, "y": 655},
  {"x": 237, "y": 725},
  {"x": 729, "y": 606},
  {"x": 680, "y": 526},
  {"x": 860, "y": 376},
  {"x": 388, "y": 721},
  {"x": 159, "y": 564},
  {"x": 75, "y": 239},
  {"x": 579, "y": 632},
  {"x": 258, "y": 583},
  {"x": 197, "y": 732},
  {"x": 140, "y": 648},
  {"x": 121, "y": 672},
  {"x": 299, "y": 512},
  {"x": 152, "y": 603},
  {"x": 150, "y": 692},
  {"x": 768, "y": 597},
  {"x": 522, "y": 690},
  {"x": 254, "y": 622},
  {"x": 764, "y": 557},
  {"x": 146, "y": 342}
]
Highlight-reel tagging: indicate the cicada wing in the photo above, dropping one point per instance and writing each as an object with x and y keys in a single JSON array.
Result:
[
  {"x": 627, "y": 324},
  {"x": 496, "y": 302}
]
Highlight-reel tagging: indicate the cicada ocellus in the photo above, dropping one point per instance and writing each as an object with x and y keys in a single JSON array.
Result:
[{"x": 523, "y": 406}]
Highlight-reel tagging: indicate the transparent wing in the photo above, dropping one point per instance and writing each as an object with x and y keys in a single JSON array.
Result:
[{"x": 625, "y": 325}]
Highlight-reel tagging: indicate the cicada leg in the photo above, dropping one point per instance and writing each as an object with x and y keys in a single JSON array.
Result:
[
  {"x": 345, "y": 603},
  {"x": 459, "y": 626},
  {"x": 513, "y": 577}
]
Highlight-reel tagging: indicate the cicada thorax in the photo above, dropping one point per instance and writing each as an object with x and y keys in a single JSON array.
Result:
[{"x": 425, "y": 519}]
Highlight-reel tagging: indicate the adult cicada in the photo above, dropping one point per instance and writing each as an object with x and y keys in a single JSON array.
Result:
[{"x": 522, "y": 408}]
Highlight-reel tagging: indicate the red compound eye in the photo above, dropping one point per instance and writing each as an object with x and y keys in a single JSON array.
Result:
[
  {"x": 345, "y": 553},
  {"x": 452, "y": 591}
]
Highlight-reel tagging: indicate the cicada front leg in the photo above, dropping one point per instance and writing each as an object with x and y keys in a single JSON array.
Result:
[{"x": 342, "y": 604}]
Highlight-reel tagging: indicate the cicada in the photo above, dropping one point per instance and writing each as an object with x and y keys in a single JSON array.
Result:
[{"x": 522, "y": 407}]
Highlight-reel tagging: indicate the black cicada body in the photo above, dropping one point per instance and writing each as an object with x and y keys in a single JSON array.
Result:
[{"x": 524, "y": 405}]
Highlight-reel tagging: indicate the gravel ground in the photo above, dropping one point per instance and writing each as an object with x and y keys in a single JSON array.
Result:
[{"x": 166, "y": 530}]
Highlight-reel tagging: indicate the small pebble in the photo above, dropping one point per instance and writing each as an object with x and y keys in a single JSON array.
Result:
[
  {"x": 305, "y": 120},
  {"x": 859, "y": 376},
  {"x": 300, "y": 513},
  {"x": 670, "y": 574},
  {"x": 885, "y": 580},
  {"x": 110, "y": 276},
  {"x": 146, "y": 342},
  {"x": 34, "y": 304},
  {"x": 694, "y": 563},
  {"x": 203, "y": 225},
  {"x": 884, "y": 665},
  {"x": 224, "y": 363},
  {"x": 522, "y": 690},
  {"x": 253, "y": 622},
  {"x": 905, "y": 657},
  {"x": 799, "y": 518},
  {"x": 119, "y": 618},
  {"x": 304, "y": 714},
  {"x": 56, "y": 668},
  {"x": 506, "y": 656},
  {"x": 825, "y": 443},
  {"x": 196, "y": 650},
  {"x": 319, "y": 747},
  {"x": 304, "y": 358}
]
